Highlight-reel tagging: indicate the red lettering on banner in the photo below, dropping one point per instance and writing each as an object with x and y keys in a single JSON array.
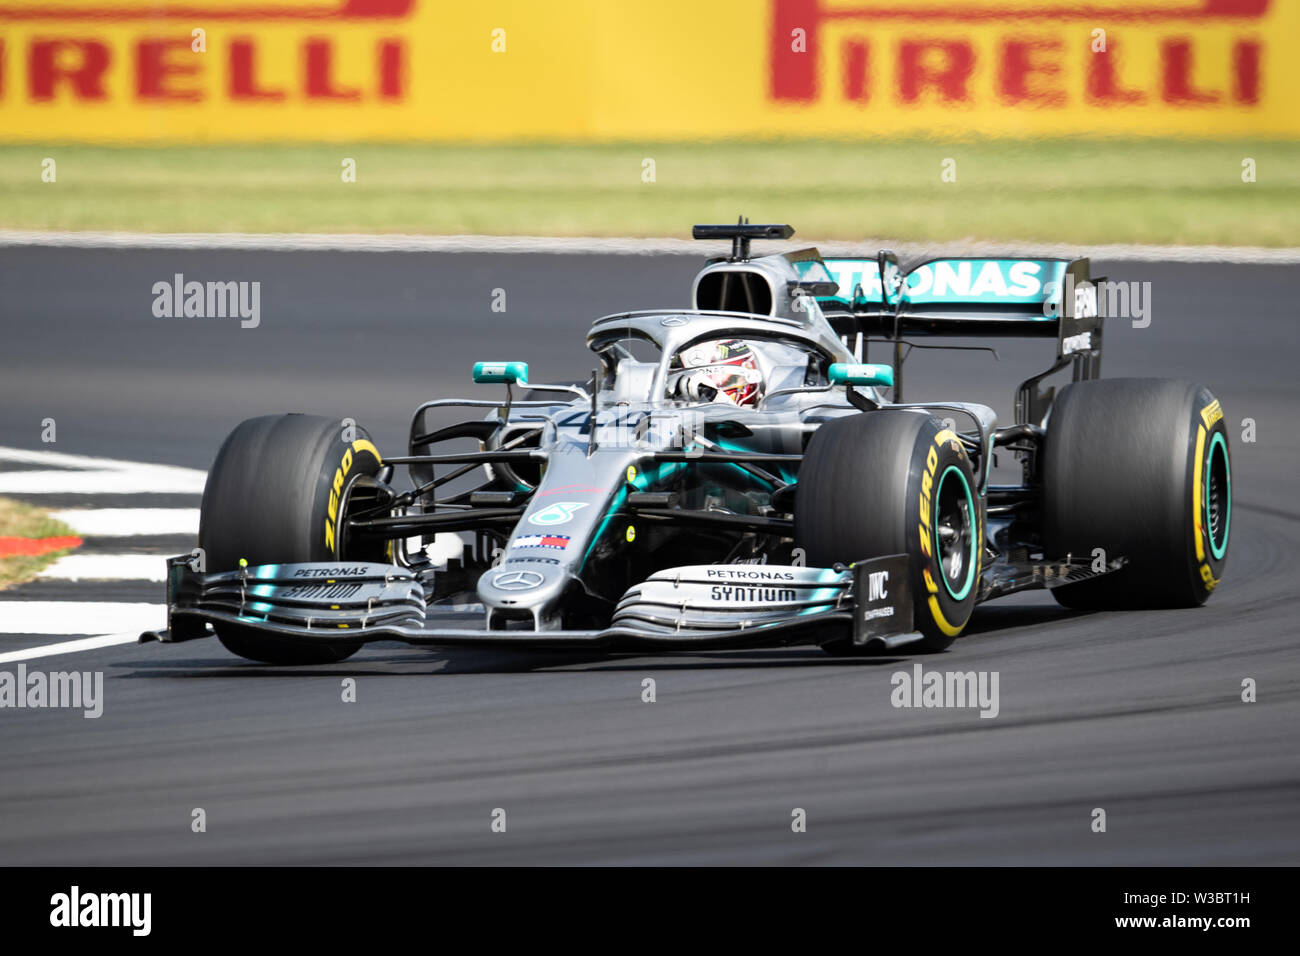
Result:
[
  {"x": 793, "y": 77},
  {"x": 318, "y": 81},
  {"x": 1176, "y": 70},
  {"x": 857, "y": 58},
  {"x": 47, "y": 68},
  {"x": 154, "y": 68},
  {"x": 1023, "y": 60},
  {"x": 392, "y": 69},
  {"x": 212, "y": 10},
  {"x": 917, "y": 71},
  {"x": 243, "y": 73},
  {"x": 1027, "y": 72},
  {"x": 166, "y": 69},
  {"x": 1103, "y": 84},
  {"x": 1245, "y": 65}
]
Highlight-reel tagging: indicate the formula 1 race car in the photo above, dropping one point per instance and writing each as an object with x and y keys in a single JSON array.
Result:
[{"x": 734, "y": 474}]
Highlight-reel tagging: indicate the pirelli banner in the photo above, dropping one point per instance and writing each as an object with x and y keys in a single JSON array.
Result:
[{"x": 334, "y": 70}]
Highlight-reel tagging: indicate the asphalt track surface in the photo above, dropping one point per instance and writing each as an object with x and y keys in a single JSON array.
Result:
[{"x": 1136, "y": 713}]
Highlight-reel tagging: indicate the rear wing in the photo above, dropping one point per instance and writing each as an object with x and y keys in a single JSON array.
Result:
[{"x": 875, "y": 301}]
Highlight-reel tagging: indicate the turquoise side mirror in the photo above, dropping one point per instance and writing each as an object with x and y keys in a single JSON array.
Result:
[
  {"x": 512, "y": 373},
  {"x": 848, "y": 373}
]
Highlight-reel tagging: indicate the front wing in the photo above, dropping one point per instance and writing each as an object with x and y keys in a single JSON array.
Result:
[{"x": 696, "y": 607}]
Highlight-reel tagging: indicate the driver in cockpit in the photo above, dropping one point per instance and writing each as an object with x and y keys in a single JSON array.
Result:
[{"x": 719, "y": 370}]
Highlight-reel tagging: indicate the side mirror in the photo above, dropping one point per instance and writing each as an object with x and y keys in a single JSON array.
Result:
[
  {"x": 511, "y": 373},
  {"x": 846, "y": 373}
]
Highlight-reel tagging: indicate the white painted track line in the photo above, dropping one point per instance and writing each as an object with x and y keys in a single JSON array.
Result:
[
  {"x": 123, "y": 522},
  {"x": 590, "y": 245},
  {"x": 70, "y": 647},
  {"x": 87, "y": 475},
  {"x": 80, "y": 617},
  {"x": 142, "y": 480},
  {"x": 60, "y": 459},
  {"x": 107, "y": 567}
]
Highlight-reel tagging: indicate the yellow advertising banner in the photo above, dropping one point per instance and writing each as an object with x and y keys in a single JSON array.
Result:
[{"x": 402, "y": 70}]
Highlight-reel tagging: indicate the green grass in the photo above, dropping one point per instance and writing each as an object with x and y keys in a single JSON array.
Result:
[{"x": 1154, "y": 191}]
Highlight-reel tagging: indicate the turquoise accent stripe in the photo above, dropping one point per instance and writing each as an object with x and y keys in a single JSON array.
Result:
[
  {"x": 748, "y": 474},
  {"x": 826, "y": 576},
  {"x": 848, "y": 373},
  {"x": 640, "y": 483},
  {"x": 951, "y": 281},
  {"x": 974, "y": 538},
  {"x": 1218, "y": 444},
  {"x": 511, "y": 372}
]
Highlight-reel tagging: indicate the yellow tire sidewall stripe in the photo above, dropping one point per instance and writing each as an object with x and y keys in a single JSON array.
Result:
[{"x": 1198, "y": 528}]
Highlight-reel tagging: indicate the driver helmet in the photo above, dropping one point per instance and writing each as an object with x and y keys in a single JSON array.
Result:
[{"x": 719, "y": 370}]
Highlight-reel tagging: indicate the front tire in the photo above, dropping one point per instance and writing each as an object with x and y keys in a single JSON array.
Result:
[
  {"x": 1139, "y": 468},
  {"x": 895, "y": 482},
  {"x": 273, "y": 497}
]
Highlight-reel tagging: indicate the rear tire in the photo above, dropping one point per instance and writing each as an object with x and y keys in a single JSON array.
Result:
[
  {"x": 1139, "y": 468},
  {"x": 268, "y": 501},
  {"x": 895, "y": 482}
]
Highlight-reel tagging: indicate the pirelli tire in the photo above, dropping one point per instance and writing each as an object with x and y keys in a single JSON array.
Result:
[
  {"x": 896, "y": 482},
  {"x": 1140, "y": 469},
  {"x": 274, "y": 496}
]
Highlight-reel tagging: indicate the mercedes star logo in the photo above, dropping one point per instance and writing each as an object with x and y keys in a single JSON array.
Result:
[{"x": 517, "y": 580}]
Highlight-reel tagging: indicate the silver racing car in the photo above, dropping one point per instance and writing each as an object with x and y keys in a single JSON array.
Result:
[{"x": 733, "y": 474}]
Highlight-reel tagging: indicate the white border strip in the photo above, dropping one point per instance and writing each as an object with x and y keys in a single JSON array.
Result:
[
  {"x": 80, "y": 617},
  {"x": 88, "y": 475},
  {"x": 70, "y": 647},
  {"x": 106, "y": 567},
  {"x": 128, "y": 522},
  {"x": 579, "y": 245}
]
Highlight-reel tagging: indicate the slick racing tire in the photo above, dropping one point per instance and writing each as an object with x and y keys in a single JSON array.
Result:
[
  {"x": 268, "y": 501},
  {"x": 1139, "y": 468},
  {"x": 895, "y": 482}
]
